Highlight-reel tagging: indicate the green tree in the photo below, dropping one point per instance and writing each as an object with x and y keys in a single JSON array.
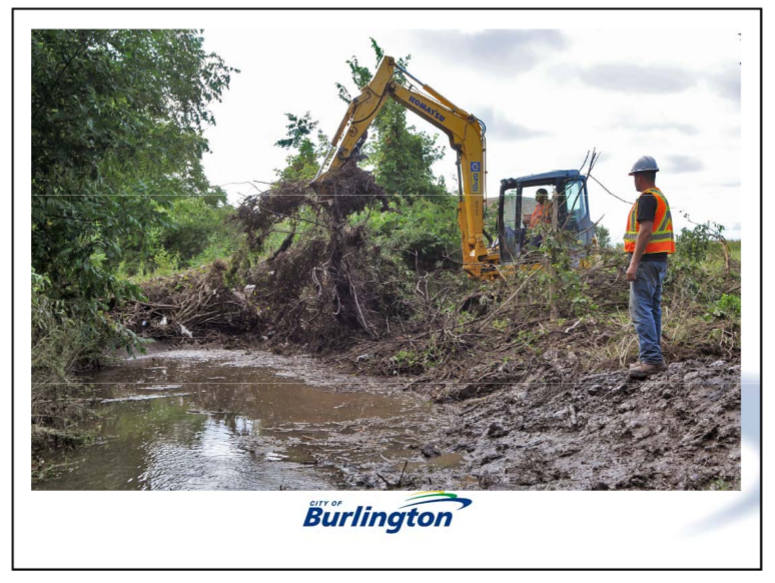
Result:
[
  {"x": 603, "y": 236},
  {"x": 194, "y": 232},
  {"x": 117, "y": 123},
  {"x": 304, "y": 163}
]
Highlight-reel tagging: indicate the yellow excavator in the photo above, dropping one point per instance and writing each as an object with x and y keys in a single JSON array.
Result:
[{"x": 466, "y": 135}]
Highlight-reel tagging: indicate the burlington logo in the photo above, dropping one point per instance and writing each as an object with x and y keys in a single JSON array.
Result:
[{"x": 439, "y": 515}]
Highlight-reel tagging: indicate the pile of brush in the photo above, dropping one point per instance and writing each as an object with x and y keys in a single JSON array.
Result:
[{"x": 196, "y": 304}]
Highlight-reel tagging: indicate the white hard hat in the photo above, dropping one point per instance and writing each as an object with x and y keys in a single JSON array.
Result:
[{"x": 644, "y": 164}]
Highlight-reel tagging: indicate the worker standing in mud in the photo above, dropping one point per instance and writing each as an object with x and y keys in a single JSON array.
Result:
[{"x": 648, "y": 240}]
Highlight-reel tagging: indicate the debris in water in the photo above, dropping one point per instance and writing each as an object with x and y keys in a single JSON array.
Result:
[
  {"x": 143, "y": 397},
  {"x": 160, "y": 387},
  {"x": 275, "y": 457}
]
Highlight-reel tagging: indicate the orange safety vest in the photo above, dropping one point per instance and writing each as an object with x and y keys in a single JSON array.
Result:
[
  {"x": 662, "y": 240},
  {"x": 538, "y": 214}
]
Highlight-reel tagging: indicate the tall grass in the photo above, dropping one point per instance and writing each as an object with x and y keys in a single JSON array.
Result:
[{"x": 59, "y": 343}]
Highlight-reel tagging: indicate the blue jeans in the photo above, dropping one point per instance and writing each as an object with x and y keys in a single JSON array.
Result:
[{"x": 646, "y": 309}]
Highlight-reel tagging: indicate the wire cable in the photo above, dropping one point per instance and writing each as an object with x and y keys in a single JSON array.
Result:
[{"x": 609, "y": 192}]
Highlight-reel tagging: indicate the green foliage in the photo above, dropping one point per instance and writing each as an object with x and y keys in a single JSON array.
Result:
[
  {"x": 501, "y": 325},
  {"x": 735, "y": 249},
  {"x": 561, "y": 274},
  {"x": 298, "y": 130},
  {"x": 695, "y": 244},
  {"x": 60, "y": 339},
  {"x": 728, "y": 306},
  {"x": 696, "y": 282},
  {"x": 403, "y": 158},
  {"x": 720, "y": 485},
  {"x": 362, "y": 75},
  {"x": 197, "y": 229},
  {"x": 603, "y": 236},
  {"x": 117, "y": 122},
  {"x": 166, "y": 263},
  {"x": 193, "y": 232},
  {"x": 422, "y": 233},
  {"x": 413, "y": 362},
  {"x": 423, "y": 230},
  {"x": 302, "y": 165}
]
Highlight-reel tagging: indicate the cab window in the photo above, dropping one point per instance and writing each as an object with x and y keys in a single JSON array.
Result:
[{"x": 575, "y": 202}]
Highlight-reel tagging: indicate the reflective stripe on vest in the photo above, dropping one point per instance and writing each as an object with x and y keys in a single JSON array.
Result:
[{"x": 661, "y": 240}]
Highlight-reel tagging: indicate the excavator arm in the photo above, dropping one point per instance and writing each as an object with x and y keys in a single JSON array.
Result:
[{"x": 466, "y": 137}]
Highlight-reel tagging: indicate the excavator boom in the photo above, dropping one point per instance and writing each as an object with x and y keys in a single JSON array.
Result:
[{"x": 466, "y": 137}]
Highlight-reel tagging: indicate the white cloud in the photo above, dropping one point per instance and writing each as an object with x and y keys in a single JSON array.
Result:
[
  {"x": 727, "y": 83},
  {"x": 499, "y": 125},
  {"x": 501, "y": 51},
  {"x": 637, "y": 79},
  {"x": 679, "y": 164},
  {"x": 641, "y": 125}
]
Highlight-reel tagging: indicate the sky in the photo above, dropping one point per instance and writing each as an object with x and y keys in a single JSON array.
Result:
[{"x": 546, "y": 96}]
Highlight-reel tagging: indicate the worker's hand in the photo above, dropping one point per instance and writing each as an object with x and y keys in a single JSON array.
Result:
[{"x": 632, "y": 272}]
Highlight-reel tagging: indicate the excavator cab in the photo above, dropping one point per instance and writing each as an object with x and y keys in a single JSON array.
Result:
[{"x": 517, "y": 202}]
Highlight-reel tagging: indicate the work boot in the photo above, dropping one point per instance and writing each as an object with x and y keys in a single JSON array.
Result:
[
  {"x": 635, "y": 364},
  {"x": 644, "y": 370}
]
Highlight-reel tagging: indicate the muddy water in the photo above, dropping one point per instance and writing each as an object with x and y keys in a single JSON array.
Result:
[{"x": 220, "y": 419}]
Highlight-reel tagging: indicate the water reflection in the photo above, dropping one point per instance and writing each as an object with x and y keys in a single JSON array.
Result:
[{"x": 213, "y": 421}]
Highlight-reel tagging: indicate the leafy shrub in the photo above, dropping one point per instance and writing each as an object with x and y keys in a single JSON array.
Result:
[
  {"x": 195, "y": 231},
  {"x": 728, "y": 306},
  {"x": 422, "y": 232},
  {"x": 695, "y": 244}
]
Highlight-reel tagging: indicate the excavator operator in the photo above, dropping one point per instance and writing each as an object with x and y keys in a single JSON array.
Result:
[
  {"x": 542, "y": 213},
  {"x": 542, "y": 210}
]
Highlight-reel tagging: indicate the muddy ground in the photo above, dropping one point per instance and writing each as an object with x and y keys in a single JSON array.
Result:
[
  {"x": 679, "y": 430},
  {"x": 676, "y": 431}
]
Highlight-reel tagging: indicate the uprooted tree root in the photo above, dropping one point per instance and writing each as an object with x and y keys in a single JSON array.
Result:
[{"x": 330, "y": 285}]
